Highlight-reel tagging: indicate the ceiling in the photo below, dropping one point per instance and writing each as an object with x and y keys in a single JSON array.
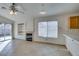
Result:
[{"x": 33, "y": 9}]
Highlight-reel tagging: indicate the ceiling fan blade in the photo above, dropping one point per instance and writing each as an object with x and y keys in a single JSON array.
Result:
[
  {"x": 3, "y": 8},
  {"x": 20, "y": 11}
]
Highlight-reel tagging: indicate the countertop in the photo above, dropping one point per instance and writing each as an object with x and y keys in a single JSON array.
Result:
[{"x": 75, "y": 37}]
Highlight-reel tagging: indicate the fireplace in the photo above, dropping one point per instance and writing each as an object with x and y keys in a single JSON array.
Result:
[{"x": 28, "y": 36}]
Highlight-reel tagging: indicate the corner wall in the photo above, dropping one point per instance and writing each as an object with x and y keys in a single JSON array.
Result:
[
  {"x": 28, "y": 27},
  {"x": 63, "y": 28}
]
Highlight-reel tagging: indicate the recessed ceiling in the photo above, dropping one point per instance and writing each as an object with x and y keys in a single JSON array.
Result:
[{"x": 33, "y": 9}]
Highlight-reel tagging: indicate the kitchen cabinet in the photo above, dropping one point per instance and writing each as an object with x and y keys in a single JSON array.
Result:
[{"x": 74, "y": 22}]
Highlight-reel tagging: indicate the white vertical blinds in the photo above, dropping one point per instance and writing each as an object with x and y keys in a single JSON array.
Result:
[{"x": 48, "y": 29}]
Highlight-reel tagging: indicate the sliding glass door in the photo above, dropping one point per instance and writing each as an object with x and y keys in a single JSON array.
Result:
[
  {"x": 5, "y": 32},
  {"x": 1, "y": 32},
  {"x": 8, "y": 31}
]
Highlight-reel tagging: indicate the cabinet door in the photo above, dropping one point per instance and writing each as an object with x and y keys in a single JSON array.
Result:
[
  {"x": 78, "y": 22},
  {"x": 73, "y": 22}
]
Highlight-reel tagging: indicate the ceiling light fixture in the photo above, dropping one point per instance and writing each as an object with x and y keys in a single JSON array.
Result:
[
  {"x": 42, "y": 9},
  {"x": 42, "y": 12},
  {"x": 12, "y": 12},
  {"x": 13, "y": 9}
]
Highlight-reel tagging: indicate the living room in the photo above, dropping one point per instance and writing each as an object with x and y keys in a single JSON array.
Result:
[{"x": 39, "y": 29}]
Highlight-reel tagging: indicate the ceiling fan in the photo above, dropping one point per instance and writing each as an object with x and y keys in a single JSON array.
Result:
[{"x": 13, "y": 9}]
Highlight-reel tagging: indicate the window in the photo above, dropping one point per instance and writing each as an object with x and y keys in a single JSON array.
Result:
[
  {"x": 42, "y": 29},
  {"x": 48, "y": 29},
  {"x": 20, "y": 28}
]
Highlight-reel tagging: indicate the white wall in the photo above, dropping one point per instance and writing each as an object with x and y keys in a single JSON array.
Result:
[
  {"x": 16, "y": 30},
  {"x": 6, "y": 20},
  {"x": 31, "y": 25},
  {"x": 63, "y": 28},
  {"x": 28, "y": 27}
]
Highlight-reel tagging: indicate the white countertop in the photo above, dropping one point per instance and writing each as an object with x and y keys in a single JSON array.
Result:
[{"x": 75, "y": 37}]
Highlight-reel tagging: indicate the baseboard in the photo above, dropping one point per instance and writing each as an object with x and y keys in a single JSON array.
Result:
[{"x": 47, "y": 43}]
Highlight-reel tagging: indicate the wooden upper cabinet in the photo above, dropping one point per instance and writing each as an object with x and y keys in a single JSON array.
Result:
[{"x": 74, "y": 22}]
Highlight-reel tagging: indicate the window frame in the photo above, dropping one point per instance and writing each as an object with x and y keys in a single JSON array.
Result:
[{"x": 47, "y": 30}]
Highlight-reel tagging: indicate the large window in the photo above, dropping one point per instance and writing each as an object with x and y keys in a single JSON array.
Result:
[
  {"x": 48, "y": 29},
  {"x": 5, "y": 32}
]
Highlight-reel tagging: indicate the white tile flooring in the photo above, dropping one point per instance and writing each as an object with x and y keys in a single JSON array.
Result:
[
  {"x": 4, "y": 44},
  {"x": 25, "y": 48}
]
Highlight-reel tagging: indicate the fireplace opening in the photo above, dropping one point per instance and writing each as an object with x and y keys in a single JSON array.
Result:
[{"x": 28, "y": 36}]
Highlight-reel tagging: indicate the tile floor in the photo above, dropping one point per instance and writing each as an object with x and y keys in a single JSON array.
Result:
[
  {"x": 25, "y": 48},
  {"x": 4, "y": 44}
]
